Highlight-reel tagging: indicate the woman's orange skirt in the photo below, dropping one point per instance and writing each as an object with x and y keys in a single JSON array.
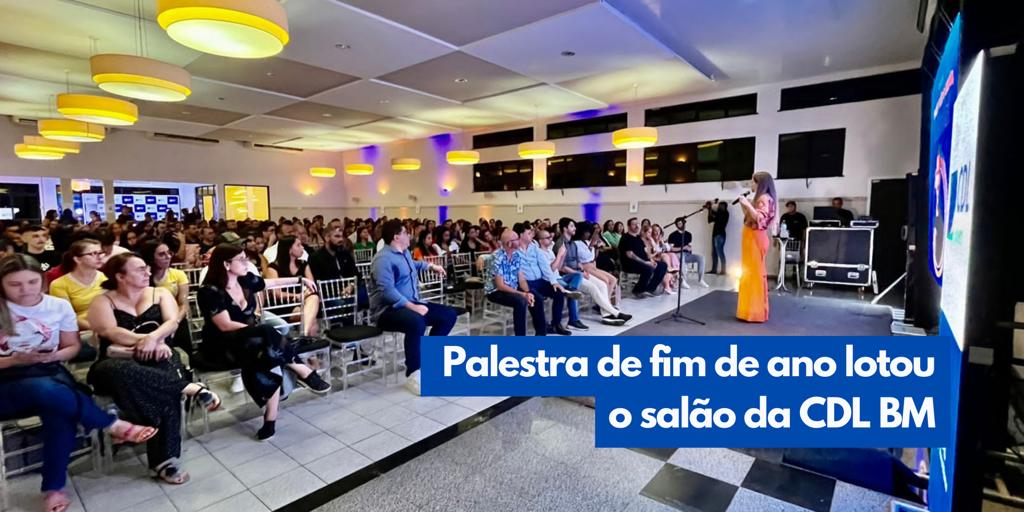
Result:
[{"x": 753, "y": 298}]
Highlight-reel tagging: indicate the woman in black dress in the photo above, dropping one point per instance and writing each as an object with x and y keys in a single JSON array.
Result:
[
  {"x": 136, "y": 367},
  {"x": 233, "y": 335},
  {"x": 288, "y": 264}
]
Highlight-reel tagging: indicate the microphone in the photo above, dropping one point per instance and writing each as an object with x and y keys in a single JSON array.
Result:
[{"x": 745, "y": 194}]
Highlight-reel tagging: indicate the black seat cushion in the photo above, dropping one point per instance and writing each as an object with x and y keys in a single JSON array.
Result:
[
  {"x": 473, "y": 283},
  {"x": 349, "y": 333},
  {"x": 306, "y": 344}
]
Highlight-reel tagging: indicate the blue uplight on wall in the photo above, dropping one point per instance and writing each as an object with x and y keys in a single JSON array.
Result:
[
  {"x": 370, "y": 154},
  {"x": 591, "y": 113},
  {"x": 442, "y": 214},
  {"x": 591, "y": 211},
  {"x": 373, "y": 213}
]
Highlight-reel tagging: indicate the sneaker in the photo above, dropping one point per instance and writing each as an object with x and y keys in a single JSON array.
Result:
[
  {"x": 612, "y": 320},
  {"x": 237, "y": 386},
  {"x": 580, "y": 326},
  {"x": 574, "y": 294},
  {"x": 684, "y": 284},
  {"x": 316, "y": 384},
  {"x": 558, "y": 329},
  {"x": 412, "y": 383},
  {"x": 704, "y": 284},
  {"x": 624, "y": 317}
]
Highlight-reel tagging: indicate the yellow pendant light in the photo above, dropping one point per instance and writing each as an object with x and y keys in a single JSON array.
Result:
[
  {"x": 463, "y": 157},
  {"x": 44, "y": 144},
  {"x": 359, "y": 169},
  {"x": 140, "y": 77},
  {"x": 97, "y": 109},
  {"x": 537, "y": 149},
  {"x": 245, "y": 29},
  {"x": 35, "y": 153},
  {"x": 639, "y": 137},
  {"x": 71, "y": 130},
  {"x": 322, "y": 172},
  {"x": 405, "y": 164}
]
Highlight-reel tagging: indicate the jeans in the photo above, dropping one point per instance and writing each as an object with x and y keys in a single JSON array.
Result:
[
  {"x": 650, "y": 278},
  {"x": 61, "y": 410},
  {"x": 542, "y": 289},
  {"x": 276, "y": 322},
  {"x": 572, "y": 282},
  {"x": 519, "y": 307},
  {"x": 718, "y": 253},
  {"x": 688, "y": 257},
  {"x": 412, "y": 325}
]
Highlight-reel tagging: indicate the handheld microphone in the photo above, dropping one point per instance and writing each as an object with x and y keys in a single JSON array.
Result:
[{"x": 745, "y": 194}]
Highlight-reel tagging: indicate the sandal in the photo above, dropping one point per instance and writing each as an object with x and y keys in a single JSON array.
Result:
[
  {"x": 55, "y": 501},
  {"x": 170, "y": 473},
  {"x": 207, "y": 398},
  {"x": 134, "y": 434}
]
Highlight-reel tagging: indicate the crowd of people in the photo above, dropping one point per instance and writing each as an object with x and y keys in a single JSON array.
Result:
[{"x": 115, "y": 295}]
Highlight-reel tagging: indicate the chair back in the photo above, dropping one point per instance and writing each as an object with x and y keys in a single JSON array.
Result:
[
  {"x": 431, "y": 286},
  {"x": 363, "y": 255},
  {"x": 193, "y": 277},
  {"x": 339, "y": 301},
  {"x": 283, "y": 301}
]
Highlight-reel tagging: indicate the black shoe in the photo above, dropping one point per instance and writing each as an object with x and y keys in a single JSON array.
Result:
[
  {"x": 624, "y": 317},
  {"x": 578, "y": 325},
  {"x": 266, "y": 431},
  {"x": 558, "y": 329},
  {"x": 612, "y": 320},
  {"x": 316, "y": 384},
  {"x": 596, "y": 309}
]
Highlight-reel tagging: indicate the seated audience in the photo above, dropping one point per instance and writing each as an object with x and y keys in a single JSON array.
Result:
[
  {"x": 289, "y": 265},
  {"x": 363, "y": 240},
  {"x": 575, "y": 257},
  {"x": 633, "y": 259},
  {"x": 36, "y": 238},
  {"x": 38, "y": 333},
  {"x": 395, "y": 298},
  {"x": 508, "y": 286},
  {"x": 540, "y": 279},
  {"x": 157, "y": 256},
  {"x": 81, "y": 281},
  {"x": 658, "y": 251},
  {"x": 681, "y": 242},
  {"x": 233, "y": 337},
  {"x": 425, "y": 246},
  {"x": 136, "y": 367}
]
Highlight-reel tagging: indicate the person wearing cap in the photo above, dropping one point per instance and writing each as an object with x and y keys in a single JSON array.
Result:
[{"x": 682, "y": 242}]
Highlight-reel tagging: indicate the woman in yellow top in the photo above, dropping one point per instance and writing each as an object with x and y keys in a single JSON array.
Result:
[
  {"x": 158, "y": 256},
  {"x": 81, "y": 281},
  {"x": 760, "y": 220}
]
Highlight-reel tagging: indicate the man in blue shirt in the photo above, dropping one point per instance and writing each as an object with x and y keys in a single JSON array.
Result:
[
  {"x": 541, "y": 280},
  {"x": 395, "y": 298},
  {"x": 508, "y": 286}
]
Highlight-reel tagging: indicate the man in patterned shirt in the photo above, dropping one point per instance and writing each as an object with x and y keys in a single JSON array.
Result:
[{"x": 508, "y": 286}]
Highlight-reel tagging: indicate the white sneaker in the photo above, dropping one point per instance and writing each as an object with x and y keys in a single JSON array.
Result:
[
  {"x": 412, "y": 383},
  {"x": 237, "y": 386},
  {"x": 684, "y": 284},
  {"x": 704, "y": 284}
]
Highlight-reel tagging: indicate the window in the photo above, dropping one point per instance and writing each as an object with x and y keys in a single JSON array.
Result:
[
  {"x": 19, "y": 201},
  {"x": 506, "y": 138},
  {"x": 246, "y": 202},
  {"x": 817, "y": 154},
  {"x": 702, "y": 110},
  {"x": 603, "y": 124},
  {"x": 887, "y": 85},
  {"x": 607, "y": 169},
  {"x": 500, "y": 176},
  {"x": 717, "y": 160}
]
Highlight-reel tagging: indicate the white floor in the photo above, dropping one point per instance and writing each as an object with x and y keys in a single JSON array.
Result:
[{"x": 319, "y": 441}]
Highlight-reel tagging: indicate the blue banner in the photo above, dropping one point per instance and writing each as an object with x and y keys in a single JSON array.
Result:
[{"x": 763, "y": 391}]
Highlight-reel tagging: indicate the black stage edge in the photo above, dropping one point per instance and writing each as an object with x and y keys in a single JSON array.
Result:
[{"x": 336, "y": 489}]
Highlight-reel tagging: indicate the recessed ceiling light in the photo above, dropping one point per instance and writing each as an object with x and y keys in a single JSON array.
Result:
[
  {"x": 326, "y": 114},
  {"x": 461, "y": 80},
  {"x": 186, "y": 113},
  {"x": 270, "y": 73},
  {"x": 343, "y": 46},
  {"x": 385, "y": 101},
  {"x": 568, "y": 53},
  {"x": 832, "y": 98}
]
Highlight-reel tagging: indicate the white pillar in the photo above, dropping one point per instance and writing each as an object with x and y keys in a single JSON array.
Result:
[{"x": 108, "y": 200}]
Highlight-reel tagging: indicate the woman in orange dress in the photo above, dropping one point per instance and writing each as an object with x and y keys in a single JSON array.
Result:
[{"x": 759, "y": 221}]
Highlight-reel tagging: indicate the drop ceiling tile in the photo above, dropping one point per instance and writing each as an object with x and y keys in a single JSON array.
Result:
[
  {"x": 273, "y": 74},
  {"x": 655, "y": 80},
  {"x": 324, "y": 114},
  {"x": 24, "y": 109},
  {"x": 287, "y": 128},
  {"x": 157, "y": 125},
  {"x": 43, "y": 65},
  {"x": 463, "y": 21},
  {"x": 375, "y": 46},
  {"x": 243, "y": 136},
  {"x": 538, "y": 101},
  {"x": 317, "y": 144},
  {"x": 535, "y": 50},
  {"x": 437, "y": 76},
  {"x": 464, "y": 117},
  {"x": 28, "y": 90},
  {"x": 212, "y": 94},
  {"x": 358, "y": 137},
  {"x": 188, "y": 113},
  {"x": 380, "y": 98},
  {"x": 402, "y": 128}
]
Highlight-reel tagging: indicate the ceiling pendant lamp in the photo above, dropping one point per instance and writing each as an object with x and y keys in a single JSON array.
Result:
[
  {"x": 44, "y": 144},
  {"x": 97, "y": 109},
  {"x": 639, "y": 137},
  {"x": 322, "y": 172},
  {"x": 140, "y": 77},
  {"x": 537, "y": 149},
  {"x": 463, "y": 157},
  {"x": 71, "y": 130},
  {"x": 405, "y": 164},
  {"x": 35, "y": 153},
  {"x": 245, "y": 29},
  {"x": 359, "y": 169}
]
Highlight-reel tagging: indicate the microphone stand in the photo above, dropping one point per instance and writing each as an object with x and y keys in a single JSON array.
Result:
[{"x": 677, "y": 315}]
